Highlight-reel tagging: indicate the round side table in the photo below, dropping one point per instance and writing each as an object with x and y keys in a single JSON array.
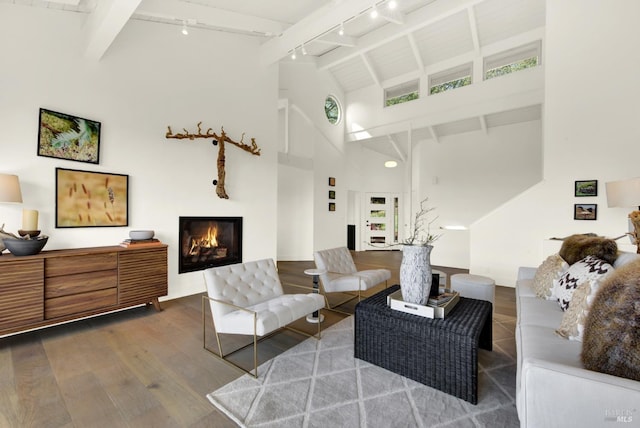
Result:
[{"x": 315, "y": 317}]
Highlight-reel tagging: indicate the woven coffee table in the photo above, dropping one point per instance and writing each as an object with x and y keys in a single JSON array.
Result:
[{"x": 440, "y": 353}]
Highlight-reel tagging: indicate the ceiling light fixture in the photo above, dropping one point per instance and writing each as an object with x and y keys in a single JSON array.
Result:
[
  {"x": 374, "y": 12},
  {"x": 293, "y": 54},
  {"x": 392, "y": 4},
  {"x": 341, "y": 30},
  {"x": 390, "y": 164},
  {"x": 304, "y": 51},
  {"x": 185, "y": 31}
]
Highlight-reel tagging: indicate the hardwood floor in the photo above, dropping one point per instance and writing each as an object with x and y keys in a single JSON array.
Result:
[{"x": 140, "y": 368}]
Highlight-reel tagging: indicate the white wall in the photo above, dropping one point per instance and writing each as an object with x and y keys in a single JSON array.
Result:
[
  {"x": 151, "y": 77},
  {"x": 317, "y": 146},
  {"x": 591, "y": 131},
  {"x": 468, "y": 175}
]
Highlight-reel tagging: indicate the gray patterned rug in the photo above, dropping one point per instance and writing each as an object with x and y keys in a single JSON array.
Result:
[{"x": 321, "y": 384}]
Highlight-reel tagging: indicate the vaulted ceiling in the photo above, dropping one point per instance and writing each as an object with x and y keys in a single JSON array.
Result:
[{"x": 401, "y": 43}]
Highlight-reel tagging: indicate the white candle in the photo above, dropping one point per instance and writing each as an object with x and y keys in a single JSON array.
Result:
[{"x": 29, "y": 220}]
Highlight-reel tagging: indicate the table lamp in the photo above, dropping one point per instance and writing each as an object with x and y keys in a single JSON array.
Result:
[
  {"x": 10, "y": 188},
  {"x": 626, "y": 193}
]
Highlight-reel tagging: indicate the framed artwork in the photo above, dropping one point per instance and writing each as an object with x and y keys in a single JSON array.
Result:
[
  {"x": 585, "y": 211},
  {"x": 332, "y": 194},
  {"x": 68, "y": 137},
  {"x": 91, "y": 199},
  {"x": 586, "y": 188},
  {"x": 332, "y": 206},
  {"x": 332, "y": 181}
]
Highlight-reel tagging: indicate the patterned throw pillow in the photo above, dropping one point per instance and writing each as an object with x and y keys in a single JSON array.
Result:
[
  {"x": 587, "y": 269},
  {"x": 551, "y": 269},
  {"x": 572, "y": 325}
]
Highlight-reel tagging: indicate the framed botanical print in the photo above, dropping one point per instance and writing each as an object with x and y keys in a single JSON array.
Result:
[{"x": 91, "y": 199}]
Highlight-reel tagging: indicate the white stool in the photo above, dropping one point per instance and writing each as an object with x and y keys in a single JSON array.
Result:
[{"x": 474, "y": 286}]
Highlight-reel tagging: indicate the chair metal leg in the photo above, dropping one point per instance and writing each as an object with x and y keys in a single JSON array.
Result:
[{"x": 221, "y": 355}]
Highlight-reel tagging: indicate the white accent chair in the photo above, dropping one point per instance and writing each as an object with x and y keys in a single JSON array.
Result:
[
  {"x": 342, "y": 276},
  {"x": 248, "y": 299}
]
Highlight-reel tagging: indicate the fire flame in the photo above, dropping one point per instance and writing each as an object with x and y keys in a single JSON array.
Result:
[{"x": 209, "y": 240}]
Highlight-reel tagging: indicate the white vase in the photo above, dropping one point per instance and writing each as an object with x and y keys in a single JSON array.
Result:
[{"x": 415, "y": 273}]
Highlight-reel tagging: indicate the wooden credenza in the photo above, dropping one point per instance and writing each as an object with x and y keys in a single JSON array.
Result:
[{"x": 62, "y": 285}]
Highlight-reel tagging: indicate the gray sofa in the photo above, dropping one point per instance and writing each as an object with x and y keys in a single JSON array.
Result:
[{"x": 552, "y": 387}]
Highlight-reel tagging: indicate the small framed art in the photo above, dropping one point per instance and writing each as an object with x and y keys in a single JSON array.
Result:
[
  {"x": 586, "y": 188},
  {"x": 68, "y": 137},
  {"x": 91, "y": 199},
  {"x": 332, "y": 181},
  {"x": 332, "y": 194},
  {"x": 332, "y": 206},
  {"x": 585, "y": 211}
]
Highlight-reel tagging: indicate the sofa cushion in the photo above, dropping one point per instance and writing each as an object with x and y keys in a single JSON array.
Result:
[
  {"x": 577, "y": 247},
  {"x": 625, "y": 257},
  {"x": 612, "y": 329},
  {"x": 551, "y": 269},
  {"x": 588, "y": 269},
  {"x": 572, "y": 325}
]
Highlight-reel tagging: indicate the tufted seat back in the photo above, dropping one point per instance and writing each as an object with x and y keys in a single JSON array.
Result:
[
  {"x": 243, "y": 284},
  {"x": 337, "y": 260},
  {"x": 255, "y": 287},
  {"x": 341, "y": 272}
]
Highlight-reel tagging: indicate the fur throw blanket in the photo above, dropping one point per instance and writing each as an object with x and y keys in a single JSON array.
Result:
[
  {"x": 612, "y": 329},
  {"x": 577, "y": 247}
]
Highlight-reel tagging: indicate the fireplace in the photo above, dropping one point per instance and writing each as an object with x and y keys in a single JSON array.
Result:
[{"x": 209, "y": 242}]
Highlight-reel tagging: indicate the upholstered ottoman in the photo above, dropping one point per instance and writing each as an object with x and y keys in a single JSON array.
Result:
[{"x": 474, "y": 286}]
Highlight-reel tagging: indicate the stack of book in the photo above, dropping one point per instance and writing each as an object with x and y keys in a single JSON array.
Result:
[
  {"x": 441, "y": 299},
  {"x": 140, "y": 243}
]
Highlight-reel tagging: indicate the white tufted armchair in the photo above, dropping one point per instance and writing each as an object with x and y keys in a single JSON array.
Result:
[
  {"x": 247, "y": 298},
  {"x": 342, "y": 276}
]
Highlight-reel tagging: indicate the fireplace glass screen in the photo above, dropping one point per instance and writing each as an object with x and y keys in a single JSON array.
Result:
[{"x": 209, "y": 242}]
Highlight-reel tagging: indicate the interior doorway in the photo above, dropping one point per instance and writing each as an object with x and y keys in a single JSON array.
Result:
[{"x": 381, "y": 220}]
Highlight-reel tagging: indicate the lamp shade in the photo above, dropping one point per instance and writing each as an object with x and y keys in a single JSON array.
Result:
[
  {"x": 623, "y": 193},
  {"x": 10, "y": 188}
]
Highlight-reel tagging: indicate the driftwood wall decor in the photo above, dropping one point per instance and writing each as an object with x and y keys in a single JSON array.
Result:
[{"x": 218, "y": 140}]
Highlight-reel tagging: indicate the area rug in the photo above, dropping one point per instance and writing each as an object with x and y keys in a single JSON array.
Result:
[{"x": 320, "y": 384}]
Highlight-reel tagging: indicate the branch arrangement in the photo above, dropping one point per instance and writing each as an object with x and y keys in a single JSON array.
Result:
[{"x": 217, "y": 139}]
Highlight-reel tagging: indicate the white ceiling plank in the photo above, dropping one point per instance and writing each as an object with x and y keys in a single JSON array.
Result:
[
  {"x": 337, "y": 40},
  {"x": 394, "y": 17},
  {"x": 105, "y": 23},
  {"x": 211, "y": 16},
  {"x": 474, "y": 29},
  {"x": 432, "y": 129},
  {"x": 370, "y": 68},
  {"x": 313, "y": 26},
  {"x": 422, "y": 17},
  {"x": 483, "y": 124},
  {"x": 68, "y": 2},
  {"x": 397, "y": 149},
  {"x": 416, "y": 52}
]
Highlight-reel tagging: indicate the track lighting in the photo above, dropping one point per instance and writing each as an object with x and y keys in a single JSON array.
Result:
[
  {"x": 374, "y": 12},
  {"x": 185, "y": 31},
  {"x": 341, "y": 30},
  {"x": 293, "y": 54},
  {"x": 304, "y": 51},
  {"x": 392, "y": 4}
]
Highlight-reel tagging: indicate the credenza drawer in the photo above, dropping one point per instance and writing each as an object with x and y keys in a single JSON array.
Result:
[
  {"x": 80, "y": 263},
  {"x": 81, "y": 302},
  {"x": 65, "y": 285}
]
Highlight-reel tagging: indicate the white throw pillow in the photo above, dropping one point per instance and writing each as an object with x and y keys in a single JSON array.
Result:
[
  {"x": 588, "y": 269},
  {"x": 572, "y": 325},
  {"x": 551, "y": 269}
]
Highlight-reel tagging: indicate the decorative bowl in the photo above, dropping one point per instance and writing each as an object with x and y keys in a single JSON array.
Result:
[
  {"x": 141, "y": 234},
  {"x": 25, "y": 247}
]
